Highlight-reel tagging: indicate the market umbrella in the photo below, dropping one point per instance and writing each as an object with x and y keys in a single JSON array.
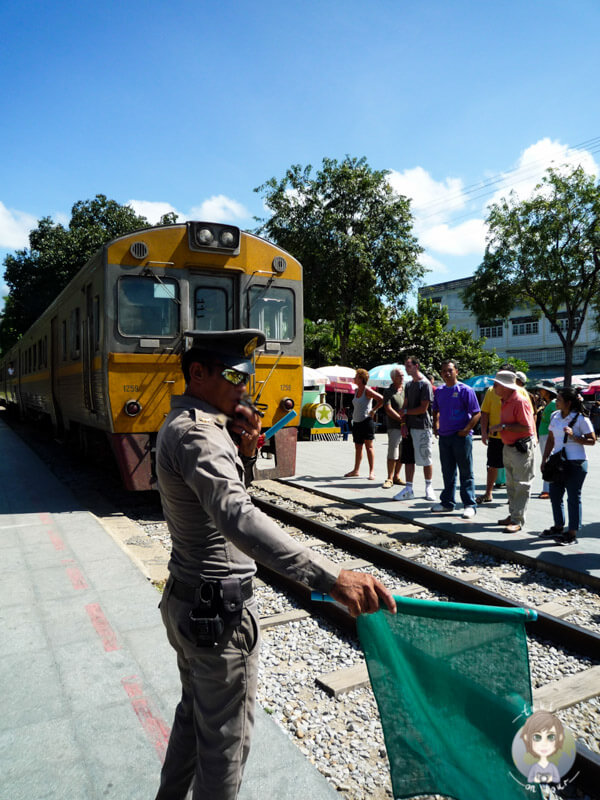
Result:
[
  {"x": 592, "y": 388},
  {"x": 480, "y": 383},
  {"x": 381, "y": 376},
  {"x": 575, "y": 381},
  {"x": 337, "y": 374},
  {"x": 313, "y": 378}
]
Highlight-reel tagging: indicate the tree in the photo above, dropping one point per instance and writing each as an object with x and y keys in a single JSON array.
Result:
[
  {"x": 389, "y": 339},
  {"x": 35, "y": 276},
  {"x": 543, "y": 253},
  {"x": 353, "y": 235}
]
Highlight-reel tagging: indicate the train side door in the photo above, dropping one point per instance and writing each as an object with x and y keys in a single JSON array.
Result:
[
  {"x": 55, "y": 349},
  {"x": 88, "y": 351},
  {"x": 214, "y": 304}
]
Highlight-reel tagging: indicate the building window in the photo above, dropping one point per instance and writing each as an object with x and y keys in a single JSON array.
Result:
[
  {"x": 561, "y": 324},
  {"x": 525, "y": 328},
  {"x": 491, "y": 331}
]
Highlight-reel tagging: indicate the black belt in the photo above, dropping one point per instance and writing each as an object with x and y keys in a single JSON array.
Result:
[
  {"x": 525, "y": 441},
  {"x": 183, "y": 591}
]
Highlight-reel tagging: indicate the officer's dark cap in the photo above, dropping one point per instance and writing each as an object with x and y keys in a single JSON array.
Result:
[{"x": 232, "y": 348}]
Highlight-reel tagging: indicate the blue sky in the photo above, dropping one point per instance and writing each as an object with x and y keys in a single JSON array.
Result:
[{"x": 188, "y": 106}]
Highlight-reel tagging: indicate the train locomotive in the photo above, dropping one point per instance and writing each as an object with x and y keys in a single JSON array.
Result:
[{"x": 105, "y": 356}]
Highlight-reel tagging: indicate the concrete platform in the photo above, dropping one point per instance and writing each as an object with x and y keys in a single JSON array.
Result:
[
  {"x": 89, "y": 683},
  {"x": 320, "y": 465}
]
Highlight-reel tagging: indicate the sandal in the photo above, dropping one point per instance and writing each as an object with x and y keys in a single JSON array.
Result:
[
  {"x": 387, "y": 484},
  {"x": 483, "y": 498}
]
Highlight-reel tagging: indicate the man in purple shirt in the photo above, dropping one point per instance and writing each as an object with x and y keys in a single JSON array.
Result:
[{"x": 455, "y": 413}]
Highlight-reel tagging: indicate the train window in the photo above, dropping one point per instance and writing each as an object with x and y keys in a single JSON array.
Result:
[
  {"x": 271, "y": 309},
  {"x": 212, "y": 310},
  {"x": 147, "y": 307},
  {"x": 75, "y": 333}
]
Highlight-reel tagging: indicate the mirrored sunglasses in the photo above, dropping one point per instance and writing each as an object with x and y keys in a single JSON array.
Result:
[{"x": 235, "y": 377}]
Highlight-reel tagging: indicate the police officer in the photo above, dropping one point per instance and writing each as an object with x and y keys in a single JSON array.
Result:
[{"x": 204, "y": 449}]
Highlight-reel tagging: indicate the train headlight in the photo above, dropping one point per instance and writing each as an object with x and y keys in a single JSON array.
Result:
[
  {"x": 204, "y": 236},
  {"x": 214, "y": 237},
  {"x": 133, "y": 408},
  {"x": 227, "y": 239},
  {"x": 287, "y": 404}
]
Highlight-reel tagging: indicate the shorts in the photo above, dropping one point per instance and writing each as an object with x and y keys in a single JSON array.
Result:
[
  {"x": 407, "y": 453},
  {"x": 394, "y": 443},
  {"x": 422, "y": 439},
  {"x": 494, "y": 453},
  {"x": 363, "y": 431}
]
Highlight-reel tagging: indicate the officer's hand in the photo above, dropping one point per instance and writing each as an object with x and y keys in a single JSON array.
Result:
[
  {"x": 246, "y": 423},
  {"x": 361, "y": 593}
]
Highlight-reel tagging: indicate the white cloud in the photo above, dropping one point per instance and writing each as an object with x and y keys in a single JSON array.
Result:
[
  {"x": 461, "y": 240},
  {"x": 219, "y": 208},
  {"x": 432, "y": 264},
  {"x": 153, "y": 211},
  {"x": 533, "y": 163},
  {"x": 429, "y": 197},
  {"x": 15, "y": 227}
]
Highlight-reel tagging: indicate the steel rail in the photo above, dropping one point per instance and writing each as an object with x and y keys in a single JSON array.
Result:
[{"x": 566, "y": 634}]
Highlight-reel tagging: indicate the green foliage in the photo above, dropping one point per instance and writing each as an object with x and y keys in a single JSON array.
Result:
[
  {"x": 353, "y": 235},
  {"x": 543, "y": 253},
  {"x": 35, "y": 276},
  {"x": 385, "y": 340}
]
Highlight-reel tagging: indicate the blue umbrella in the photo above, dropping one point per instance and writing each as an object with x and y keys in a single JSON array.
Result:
[
  {"x": 480, "y": 382},
  {"x": 381, "y": 376}
]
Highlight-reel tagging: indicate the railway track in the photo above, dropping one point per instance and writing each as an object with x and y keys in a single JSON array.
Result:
[
  {"x": 349, "y": 712},
  {"x": 370, "y": 548}
]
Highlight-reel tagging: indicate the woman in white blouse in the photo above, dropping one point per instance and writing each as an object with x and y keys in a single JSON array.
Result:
[{"x": 572, "y": 420}]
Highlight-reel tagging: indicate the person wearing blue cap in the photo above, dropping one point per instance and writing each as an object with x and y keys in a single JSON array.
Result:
[{"x": 204, "y": 449}]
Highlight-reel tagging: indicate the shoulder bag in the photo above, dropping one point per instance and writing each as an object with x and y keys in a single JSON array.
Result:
[{"x": 555, "y": 468}]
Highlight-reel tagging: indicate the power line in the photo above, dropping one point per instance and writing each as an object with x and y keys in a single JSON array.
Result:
[{"x": 515, "y": 176}]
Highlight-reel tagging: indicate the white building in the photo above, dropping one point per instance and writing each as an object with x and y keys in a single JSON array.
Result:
[{"x": 521, "y": 335}]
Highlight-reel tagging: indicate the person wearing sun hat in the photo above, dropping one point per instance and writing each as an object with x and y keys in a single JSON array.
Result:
[
  {"x": 517, "y": 430},
  {"x": 218, "y": 534}
]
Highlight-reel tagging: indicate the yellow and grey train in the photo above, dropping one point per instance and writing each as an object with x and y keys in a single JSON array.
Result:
[{"x": 105, "y": 356}]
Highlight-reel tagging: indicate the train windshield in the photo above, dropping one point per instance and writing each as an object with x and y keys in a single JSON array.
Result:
[
  {"x": 272, "y": 311},
  {"x": 148, "y": 307}
]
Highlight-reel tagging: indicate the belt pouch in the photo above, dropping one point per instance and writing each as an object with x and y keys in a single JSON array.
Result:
[
  {"x": 206, "y": 625},
  {"x": 233, "y": 602}
]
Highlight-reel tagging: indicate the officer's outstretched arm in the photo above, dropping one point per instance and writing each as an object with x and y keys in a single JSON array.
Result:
[{"x": 361, "y": 593}]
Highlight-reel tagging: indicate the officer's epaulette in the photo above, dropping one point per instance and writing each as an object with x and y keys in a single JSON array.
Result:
[{"x": 220, "y": 420}]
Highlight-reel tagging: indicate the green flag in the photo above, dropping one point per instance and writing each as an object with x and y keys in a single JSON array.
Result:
[{"x": 452, "y": 685}]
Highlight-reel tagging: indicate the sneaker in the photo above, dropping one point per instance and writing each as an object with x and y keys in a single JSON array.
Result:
[
  {"x": 430, "y": 494},
  {"x": 405, "y": 494},
  {"x": 565, "y": 539},
  {"x": 440, "y": 509},
  {"x": 469, "y": 512}
]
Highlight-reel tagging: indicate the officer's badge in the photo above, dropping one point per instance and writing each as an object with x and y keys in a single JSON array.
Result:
[{"x": 251, "y": 346}]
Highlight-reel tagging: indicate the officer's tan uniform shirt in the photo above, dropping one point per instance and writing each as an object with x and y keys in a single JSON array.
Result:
[{"x": 216, "y": 530}]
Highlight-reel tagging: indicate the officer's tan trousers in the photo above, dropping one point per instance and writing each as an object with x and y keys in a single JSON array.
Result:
[{"x": 210, "y": 737}]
